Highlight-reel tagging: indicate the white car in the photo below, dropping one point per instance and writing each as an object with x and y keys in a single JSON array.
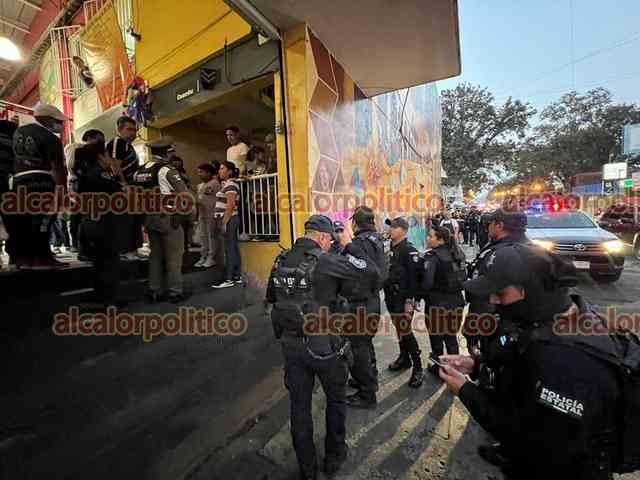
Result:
[{"x": 572, "y": 234}]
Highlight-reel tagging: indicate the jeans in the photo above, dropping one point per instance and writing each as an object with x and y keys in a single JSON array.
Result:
[
  {"x": 233, "y": 262},
  {"x": 300, "y": 370}
]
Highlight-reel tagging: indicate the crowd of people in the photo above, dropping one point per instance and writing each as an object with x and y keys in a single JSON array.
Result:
[
  {"x": 555, "y": 402},
  {"x": 32, "y": 157}
]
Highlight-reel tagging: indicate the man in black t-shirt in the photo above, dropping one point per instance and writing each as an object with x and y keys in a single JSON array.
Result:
[
  {"x": 38, "y": 167},
  {"x": 120, "y": 148}
]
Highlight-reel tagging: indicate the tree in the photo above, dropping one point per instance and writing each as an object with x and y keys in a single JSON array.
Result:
[
  {"x": 578, "y": 133},
  {"x": 477, "y": 134}
]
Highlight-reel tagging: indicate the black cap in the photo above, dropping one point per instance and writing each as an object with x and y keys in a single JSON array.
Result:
[
  {"x": 338, "y": 226},
  {"x": 363, "y": 215},
  {"x": 398, "y": 222},
  {"x": 320, "y": 223},
  {"x": 505, "y": 267},
  {"x": 513, "y": 220},
  {"x": 160, "y": 146}
]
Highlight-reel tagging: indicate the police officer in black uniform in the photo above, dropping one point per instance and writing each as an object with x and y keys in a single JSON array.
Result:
[
  {"x": 504, "y": 227},
  {"x": 444, "y": 274},
  {"x": 543, "y": 393},
  {"x": 364, "y": 296},
  {"x": 304, "y": 282},
  {"x": 399, "y": 295},
  {"x": 336, "y": 245}
]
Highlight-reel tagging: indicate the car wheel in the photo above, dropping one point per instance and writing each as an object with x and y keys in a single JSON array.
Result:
[
  {"x": 603, "y": 278},
  {"x": 636, "y": 249}
]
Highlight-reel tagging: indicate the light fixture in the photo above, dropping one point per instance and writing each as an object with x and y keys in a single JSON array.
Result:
[
  {"x": 613, "y": 246},
  {"x": 546, "y": 244},
  {"x": 9, "y": 50}
]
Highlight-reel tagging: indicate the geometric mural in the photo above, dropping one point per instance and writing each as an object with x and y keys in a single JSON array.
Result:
[{"x": 371, "y": 147}]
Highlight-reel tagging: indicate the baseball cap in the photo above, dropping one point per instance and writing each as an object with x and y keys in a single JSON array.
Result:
[
  {"x": 513, "y": 220},
  {"x": 363, "y": 215},
  {"x": 398, "y": 222},
  {"x": 505, "y": 267},
  {"x": 46, "y": 110},
  {"x": 320, "y": 223},
  {"x": 160, "y": 146},
  {"x": 338, "y": 225}
]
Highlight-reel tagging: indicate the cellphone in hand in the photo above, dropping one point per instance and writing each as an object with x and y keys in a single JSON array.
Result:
[{"x": 437, "y": 362}]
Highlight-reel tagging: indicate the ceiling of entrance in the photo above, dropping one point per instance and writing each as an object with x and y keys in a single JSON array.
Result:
[{"x": 384, "y": 45}]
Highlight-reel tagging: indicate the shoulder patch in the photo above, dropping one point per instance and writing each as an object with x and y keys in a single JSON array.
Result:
[
  {"x": 359, "y": 263},
  {"x": 415, "y": 257},
  {"x": 562, "y": 404}
]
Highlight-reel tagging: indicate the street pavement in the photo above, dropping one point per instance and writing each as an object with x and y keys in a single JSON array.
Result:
[{"x": 188, "y": 407}]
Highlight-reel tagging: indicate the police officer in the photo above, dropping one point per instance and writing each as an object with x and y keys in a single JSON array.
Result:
[
  {"x": 336, "y": 245},
  {"x": 444, "y": 274},
  {"x": 164, "y": 229},
  {"x": 504, "y": 227},
  {"x": 543, "y": 394},
  {"x": 305, "y": 284},
  {"x": 399, "y": 295},
  {"x": 364, "y": 297}
]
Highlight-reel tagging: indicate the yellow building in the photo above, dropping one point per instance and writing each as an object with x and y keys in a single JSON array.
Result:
[{"x": 348, "y": 93}]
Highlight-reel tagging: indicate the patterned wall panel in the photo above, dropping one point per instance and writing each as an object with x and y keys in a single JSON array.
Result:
[{"x": 371, "y": 150}]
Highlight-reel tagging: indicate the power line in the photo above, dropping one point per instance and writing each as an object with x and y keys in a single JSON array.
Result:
[{"x": 620, "y": 43}]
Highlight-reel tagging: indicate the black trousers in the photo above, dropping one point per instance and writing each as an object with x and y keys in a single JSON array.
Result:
[
  {"x": 364, "y": 369},
  {"x": 300, "y": 371},
  {"x": 29, "y": 231},
  {"x": 106, "y": 257},
  {"x": 443, "y": 324},
  {"x": 471, "y": 236},
  {"x": 130, "y": 232},
  {"x": 6, "y": 219},
  {"x": 74, "y": 229}
]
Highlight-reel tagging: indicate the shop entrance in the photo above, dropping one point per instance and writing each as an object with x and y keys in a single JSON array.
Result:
[{"x": 201, "y": 138}]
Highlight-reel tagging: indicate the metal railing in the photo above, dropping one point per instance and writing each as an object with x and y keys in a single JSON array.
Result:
[{"x": 259, "y": 208}]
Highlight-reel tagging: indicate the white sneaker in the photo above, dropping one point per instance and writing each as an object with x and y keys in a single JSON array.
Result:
[
  {"x": 209, "y": 263},
  {"x": 200, "y": 263},
  {"x": 225, "y": 284}
]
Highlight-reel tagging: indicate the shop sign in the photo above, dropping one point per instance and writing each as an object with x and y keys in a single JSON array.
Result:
[{"x": 186, "y": 91}]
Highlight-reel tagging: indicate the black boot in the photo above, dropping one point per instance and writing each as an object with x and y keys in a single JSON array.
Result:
[
  {"x": 417, "y": 374},
  {"x": 403, "y": 361},
  {"x": 493, "y": 454}
]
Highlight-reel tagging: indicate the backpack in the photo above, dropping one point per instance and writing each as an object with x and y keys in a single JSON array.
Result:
[{"x": 294, "y": 292}]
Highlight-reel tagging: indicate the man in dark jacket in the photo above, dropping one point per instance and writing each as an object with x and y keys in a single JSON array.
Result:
[
  {"x": 400, "y": 293},
  {"x": 367, "y": 243},
  {"x": 7, "y": 129},
  {"x": 304, "y": 282}
]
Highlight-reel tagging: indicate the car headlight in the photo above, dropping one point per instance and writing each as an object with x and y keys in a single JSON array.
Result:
[
  {"x": 546, "y": 244},
  {"x": 613, "y": 246}
]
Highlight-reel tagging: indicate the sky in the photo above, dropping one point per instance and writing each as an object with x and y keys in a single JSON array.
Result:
[{"x": 523, "y": 48}]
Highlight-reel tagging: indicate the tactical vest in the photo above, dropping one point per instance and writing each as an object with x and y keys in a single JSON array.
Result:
[
  {"x": 147, "y": 176},
  {"x": 450, "y": 275},
  {"x": 294, "y": 292}
]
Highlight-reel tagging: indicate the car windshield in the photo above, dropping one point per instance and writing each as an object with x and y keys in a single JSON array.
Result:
[{"x": 559, "y": 220}]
